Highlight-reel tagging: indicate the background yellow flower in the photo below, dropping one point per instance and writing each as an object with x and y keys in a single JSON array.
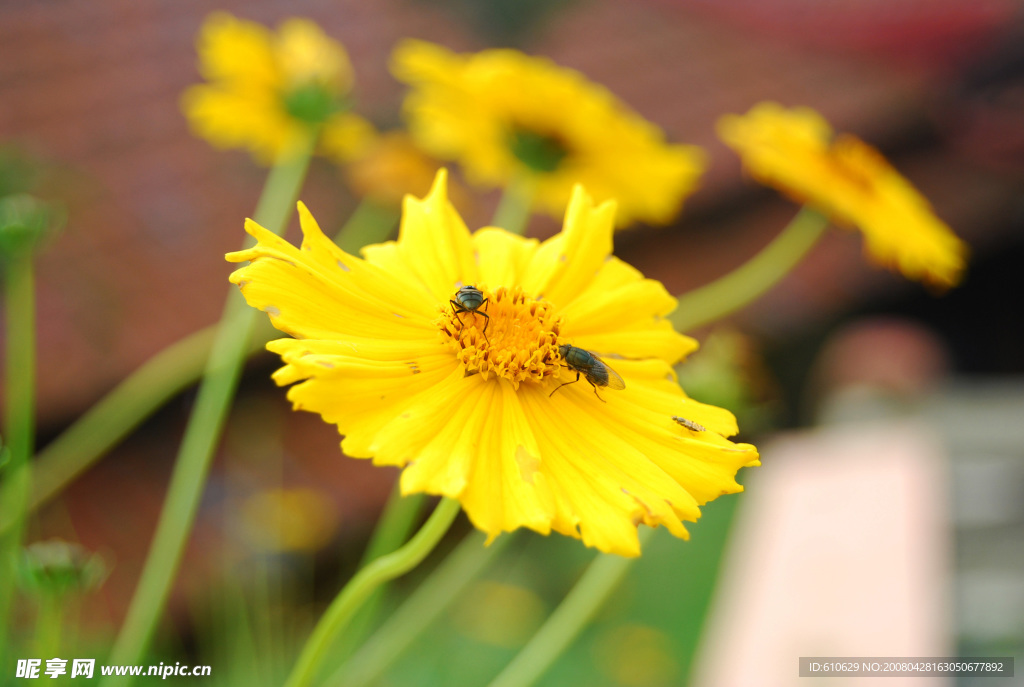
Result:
[
  {"x": 389, "y": 165},
  {"x": 380, "y": 352},
  {"x": 506, "y": 116},
  {"x": 794, "y": 151},
  {"x": 288, "y": 520},
  {"x": 265, "y": 90}
]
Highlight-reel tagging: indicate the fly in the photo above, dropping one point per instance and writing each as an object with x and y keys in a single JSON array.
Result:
[
  {"x": 689, "y": 424},
  {"x": 585, "y": 363},
  {"x": 470, "y": 299}
]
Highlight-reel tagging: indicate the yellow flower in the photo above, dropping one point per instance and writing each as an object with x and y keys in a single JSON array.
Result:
[
  {"x": 266, "y": 90},
  {"x": 471, "y": 406},
  {"x": 499, "y": 614},
  {"x": 346, "y": 137},
  {"x": 504, "y": 115},
  {"x": 637, "y": 656},
  {"x": 794, "y": 151},
  {"x": 281, "y": 520},
  {"x": 391, "y": 166}
]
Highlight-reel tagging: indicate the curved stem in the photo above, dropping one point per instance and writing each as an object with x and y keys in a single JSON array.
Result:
[
  {"x": 223, "y": 370},
  {"x": 395, "y": 523},
  {"x": 393, "y": 528},
  {"x": 596, "y": 585},
  {"x": 365, "y": 581},
  {"x": 418, "y": 611},
  {"x": 749, "y": 281},
  {"x": 513, "y": 211},
  {"x": 19, "y": 419}
]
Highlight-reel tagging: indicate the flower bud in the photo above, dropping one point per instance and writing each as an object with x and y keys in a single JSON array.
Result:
[
  {"x": 56, "y": 567},
  {"x": 25, "y": 222}
]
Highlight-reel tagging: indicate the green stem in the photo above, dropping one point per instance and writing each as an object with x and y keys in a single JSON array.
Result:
[
  {"x": 419, "y": 611},
  {"x": 119, "y": 412},
  {"x": 365, "y": 581},
  {"x": 368, "y": 223},
  {"x": 19, "y": 420},
  {"x": 513, "y": 212},
  {"x": 393, "y": 528},
  {"x": 197, "y": 448},
  {"x": 580, "y": 605},
  {"x": 748, "y": 282},
  {"x": 395, "y": 523},
  {"x": 163, "y": 376},
  {"x": 48, "y": 625}
]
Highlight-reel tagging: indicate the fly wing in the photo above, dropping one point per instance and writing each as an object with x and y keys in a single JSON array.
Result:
[{"x": 614, "y": 380}]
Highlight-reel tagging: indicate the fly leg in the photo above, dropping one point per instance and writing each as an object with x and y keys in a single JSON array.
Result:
[
  {"x": 566, "y": 384},
  {"x": 488, "y": 319},
  {"x": 456, "y": 313}
]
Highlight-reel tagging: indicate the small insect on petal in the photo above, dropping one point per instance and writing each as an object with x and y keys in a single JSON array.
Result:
[
  {"x": 595, "y": 370},
  {"x": 689, "y": 424}
]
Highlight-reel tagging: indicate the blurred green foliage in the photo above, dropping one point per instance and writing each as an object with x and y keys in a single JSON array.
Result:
[{"x": 647, "y": 636}]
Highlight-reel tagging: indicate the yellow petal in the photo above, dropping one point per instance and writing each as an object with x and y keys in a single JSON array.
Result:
[
  {"x": 306, "y": 55},
  {"x": 604, "y": 310},
  {"x": 642, "y": 340},
  {"x": 321, "y": 292},
  {"x": 233, "y": 119},
  {"x": 620, "y": 313},
  {"x": 232, "y": 49},
  {"x": 586, "y": 239},
  {"x": 359, "y": 395},
  {"x": 591, "y": 490},
  {"x": 506, "y": 489},
  {"x": 433, "y": 244},
  {"x": 502, "y": 257},
  {"x": 441, "y": 435}
]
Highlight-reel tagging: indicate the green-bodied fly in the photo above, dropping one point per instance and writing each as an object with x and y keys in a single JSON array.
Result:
[
  {"x": 595, "y": 370},
  {"x": 470, "y": 299}
]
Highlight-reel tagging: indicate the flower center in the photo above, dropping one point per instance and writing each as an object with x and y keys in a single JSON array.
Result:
[
  {"x": 312, "y": 103},
  {"x": 520, "y": 342},
  {"x": 540, "y": 152}
]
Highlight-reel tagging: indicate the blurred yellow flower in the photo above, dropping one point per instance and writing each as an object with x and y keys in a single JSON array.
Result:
[
  {"x": 794, "y": 151},
  {"x": 265, "y": 91},
  {"x": 637, "y": 656},
  {"x": 471, "y": 405},
  {"x": 499, "y": 614},
  {"x": 389, "y": 167},
  {"x": 289, "y": 520},
  {"x": 346, "y": 137},
  {"x": 506, "y": 116}
]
